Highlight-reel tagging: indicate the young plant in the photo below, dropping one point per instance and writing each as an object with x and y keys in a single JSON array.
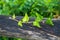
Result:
[
  {"x": 49, "y": 22},
  {"x": 39, "y": 17},
  {"x": 37, "y": 20},
  {"x": 36, "y": 23},
  {"x": 25, "y": 19},
  {"x": 13, "y": 17},
  {"x": 20, "y": 23}
]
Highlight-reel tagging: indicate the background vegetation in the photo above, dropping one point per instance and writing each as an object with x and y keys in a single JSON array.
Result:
[{"x": 20, "y": 7}]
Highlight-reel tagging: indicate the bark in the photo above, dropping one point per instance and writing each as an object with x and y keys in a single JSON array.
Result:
[{"x": 9, "y": 28}]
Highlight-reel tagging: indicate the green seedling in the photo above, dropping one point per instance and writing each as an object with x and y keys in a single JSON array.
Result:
[
  {"x": 38, "y": 17},
  {"x": 36, "y": 23},
  {"x": 13, "y": 17},
  {"x": 20, "y": 23},
  {"x": 49, "y": 22},
  {"x": 25, "y": 19},
  {"x": 37, "y": 20}
]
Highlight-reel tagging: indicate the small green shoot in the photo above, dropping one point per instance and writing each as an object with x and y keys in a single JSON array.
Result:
[
  {"x": 20, "y": 23},
  {"x": 49, "y": 22},
  {"x": 25, "y": 19},
  {"x": 37, "y": 20},
  {"x": 13, "y": 17},
  {"x": 35, "y": 23},
  {"x": 39, "y": 17}
]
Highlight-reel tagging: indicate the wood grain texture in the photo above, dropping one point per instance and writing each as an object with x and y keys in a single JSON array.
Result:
[{"x": 9, "y": 28}]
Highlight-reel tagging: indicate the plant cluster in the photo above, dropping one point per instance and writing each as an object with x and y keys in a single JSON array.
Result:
[{"x": 37, "y": 21}]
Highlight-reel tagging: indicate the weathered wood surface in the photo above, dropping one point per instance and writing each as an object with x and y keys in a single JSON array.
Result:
[{"x": 9, "y": 28}]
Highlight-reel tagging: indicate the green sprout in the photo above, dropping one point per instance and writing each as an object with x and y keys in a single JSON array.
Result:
[
  {"x": 39, "y": 17},
  {"x": 25, "y": 19},
  {"x": 49, "y": 22},
  {"x": 36, "y": 23},
  {"x": 37, "y": 20},
  {"x": 20, "y": 23},
  {"x": 13, "y": 17}
]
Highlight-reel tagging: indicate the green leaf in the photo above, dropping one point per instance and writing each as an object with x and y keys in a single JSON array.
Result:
[
  {"x": 39, "y": 17},
  {"x": 35, "y": 23},
  {"x": 25, "y": 19},
  {"x": 20, "y": 23},
  {"x": 49, "y": 22},
  {"x": 13, "y": 17}
]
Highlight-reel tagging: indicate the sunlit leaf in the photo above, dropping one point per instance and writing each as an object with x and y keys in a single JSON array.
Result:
[
  {"x": 26, "y": 18},
  {"x": 39, "y": 17},
  {"x": 49, "y": 22},
  {"x": 35, "y": 23},
  {"x": 20, "y": 23},
  {"x": 51, "y": 15},
  {"x": 13, "y": 17}
]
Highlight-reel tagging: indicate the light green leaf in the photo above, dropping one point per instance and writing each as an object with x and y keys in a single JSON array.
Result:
[
  {"x": 49, "y": 22},
  {"x": 25, "y": 19},
  {"x": 20, "y": 23},
  {"x": 13, "y": 17},
  {"x": 39, "y": 17},
  {"x": 35, "y": 23}
]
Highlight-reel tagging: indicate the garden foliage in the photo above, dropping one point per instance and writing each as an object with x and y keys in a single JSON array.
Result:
[{"x": 20, "y": 7}]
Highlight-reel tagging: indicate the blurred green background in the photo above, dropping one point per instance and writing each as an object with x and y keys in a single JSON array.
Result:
[
  {"x": 20, "y": 7},
  {"x": 10, "y": 38}
]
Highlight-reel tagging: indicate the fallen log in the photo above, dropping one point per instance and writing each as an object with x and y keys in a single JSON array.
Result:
[{"x": 9, "y": 28}]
